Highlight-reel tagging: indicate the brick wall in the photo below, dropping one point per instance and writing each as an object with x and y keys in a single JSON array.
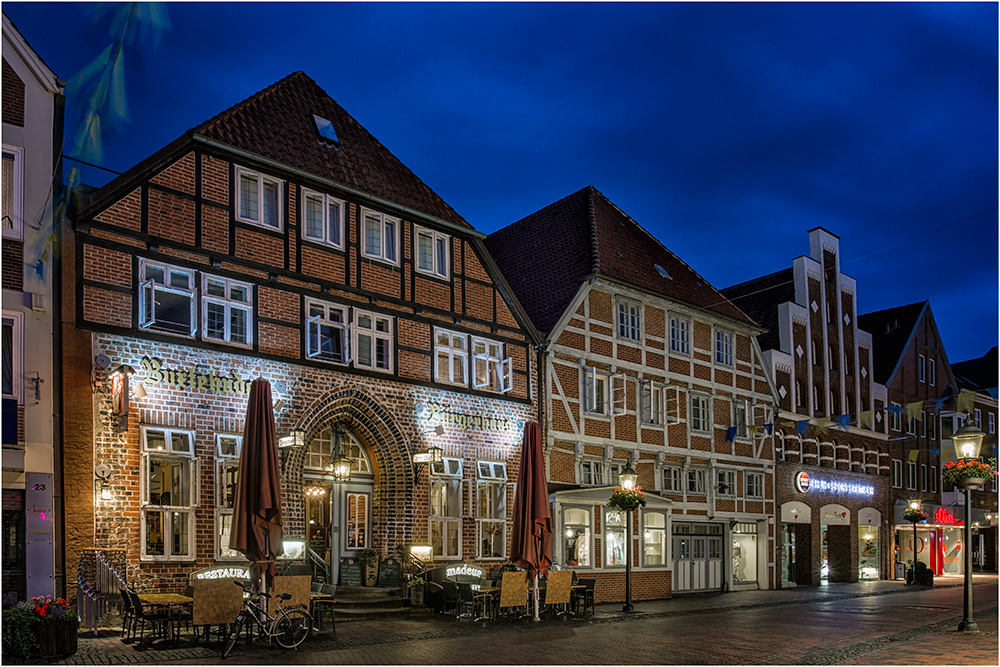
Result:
[{"x": 13, "y": 96}]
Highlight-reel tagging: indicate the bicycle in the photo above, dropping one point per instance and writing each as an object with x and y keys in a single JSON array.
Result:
[{"x": 289, "y": 627}]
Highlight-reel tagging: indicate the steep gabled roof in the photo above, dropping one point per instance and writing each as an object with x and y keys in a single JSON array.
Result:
[
  {"x": 977, "y": 374},
  {"x": 548, "y": 254},
  {"x": 891, "y": 331},
  {"x": 277, "y": 123},
  {"x": 759, "y": 298}
]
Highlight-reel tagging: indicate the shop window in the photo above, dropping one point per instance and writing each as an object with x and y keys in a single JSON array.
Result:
[
  {"x": 322, "y": 218},
  {"x": 576, "y": 536},
  {"x": 725, "y": 482},
  {"x": 740, "y": 413},
  {"x": 432, "y": 252},
  {"x": 897, "y": 474},
  {"x": 357, "y": 533},
  {"x": 372, "y": 341},
  {"x": 755, "y": 484},
  {"x": 745, "y": 553},
  {"x": 327, "y": 332},
  {"x": 491, "y": 509},
  {"x": 166, "y": 299},
  {"x": 654, "y": 538},
  {"x": 911, "y": 475},
  {"x": 226, "y": 310},
  {"x": 629, "y": 319},
  {"x": 259, "y": 200},
  {"x": 12, "y": 196},
  {"x": 380, "y": 236},
  {"x": 446, "y": 508},
  {"x": 672, "y": 479},
  {"x": 227, "y": 452},
  {"x": 451, "y": 357},
  {"x": 591, "y": 473},
  {"x": 696, "y": 480},
  {"x": 615, "y": 550},
  {"x": 868, "y": 563},
  {"x": 168, "y": 493},
  {"x": 701, "y": 417},
  {"x": 723, "y": 347},
  {"x": 680, "y": 335},
  {"x": 13, "y": 354},
  {"x": 491, "y": 371}
]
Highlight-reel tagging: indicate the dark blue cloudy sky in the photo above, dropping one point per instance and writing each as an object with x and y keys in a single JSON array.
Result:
[{"x": 727, "y": 130}]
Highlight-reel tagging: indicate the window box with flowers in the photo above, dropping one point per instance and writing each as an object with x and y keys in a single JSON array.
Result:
[
  {"x": 40, "y": 628},
  {"x": 967, "y": 473},
  {"x": 627, "y": 500}
]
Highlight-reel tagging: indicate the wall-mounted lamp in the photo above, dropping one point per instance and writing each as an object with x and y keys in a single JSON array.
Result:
[
  {"x": 123, "y": 370},
  {"x": 340, "y": 466},
  {"x": 103, "y": 472},
  {"x": 296, "y": 439},
  {"x": 432, "y": 455}
]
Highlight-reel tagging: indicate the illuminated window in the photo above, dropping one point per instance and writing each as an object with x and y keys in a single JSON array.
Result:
[
  {"x": 576, "y": 536},
  {"x": 491, "y": 509},
  {"x": 227, "y": 452},
  {"x": 168, "y": 493},
  {"x": 446, "y": 508}
]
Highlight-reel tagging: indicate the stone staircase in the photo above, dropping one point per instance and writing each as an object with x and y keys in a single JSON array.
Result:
[{"x": 358, "y": 603}]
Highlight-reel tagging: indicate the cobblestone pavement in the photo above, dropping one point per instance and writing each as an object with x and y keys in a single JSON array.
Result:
[{"x": 883, "y": 623}]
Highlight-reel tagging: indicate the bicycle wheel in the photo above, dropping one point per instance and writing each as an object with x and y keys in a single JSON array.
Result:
[
  {"x": 234, "y": 634},
  {"x": 291, "y": 627}
]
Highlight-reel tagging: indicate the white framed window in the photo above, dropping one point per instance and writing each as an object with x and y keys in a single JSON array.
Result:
[
  {"x": 979, "y": 419},
  {"x": 741, "y": 414},
  {"x": 13, "y": 355},
  {"x": 723, "y": 347},
  {"x": 491, "y": 371},
  {"x": 896, "y": 417},
  {"x": 322, "y": 218},
  {"x": 922, "y": 368},
  {"x": 380, "y": 236},
  {"x": 591, "y": 472},
  {"x": 373, "y": 341},
  {"x": 168, "y": 492},
  {"x": 629, "y": 319},
  {"x": 911, "y": 475},
  {"x": 615, "y": 548},
  {"x": 327, "y": 332},
  {"x": 931, "y": 372},
  {"x": 897, "y": 474},
  {"x": 259, "y": 199},
  {"x": 446, "y": 508},
  {"x": 652, "y": 402},
  {"x": 576, "y": 536},
  {"x": 725, "y": 482},
  {"x": 934, "y": 479},
  {"x": 696, "y": 480},
  {"x": 991, "y": 421},
  {"x": 923, "y": 423},
  {"x": 166, "y": 298},
  {"x": 595, "y": 390},
  {"x": 672, "y": 479},
  {"x": 701, "y": 414},
  {"x": 358, "y": 530},
  {"x": 923, "y": 477},
  {"x": 451, "y": 357},
  {"x": 491, "y": 509},
  {"x": 755, "y": 484},
  {"x": 680, "y": 335},
  {"x": 227, "y": 310},
  {"x": 227, "y": 452},
  {"x": 432, "y": 252},
  {"x": 654, "y": 538},
  {"x": 911, "y": 424},
  {"x": 12, "y": 195}
]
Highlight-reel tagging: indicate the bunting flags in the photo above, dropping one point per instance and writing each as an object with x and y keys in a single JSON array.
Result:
[
  {"x": 802, "y": 426},
  {"x": 865, "y": 419},
  {"x": 966, "y": 401},
  {"x": 895, "y": 409},
  {"x": 769, "y": 429},
  {"x": 730, "y": 433},
  {"x": 913, "y": 455},
  {"x": 843, "y": 421},
  {"x": 913, "y": 411},
  {"x": 823, "y": 424},
  {"x": 939, "y": 403},
  {"x": 936, "y": 452}
]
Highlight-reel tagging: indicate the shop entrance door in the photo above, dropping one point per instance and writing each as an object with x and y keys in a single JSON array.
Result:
[
  {"x": 697, "y": 557},
  {"x": 788, "y": 553}
]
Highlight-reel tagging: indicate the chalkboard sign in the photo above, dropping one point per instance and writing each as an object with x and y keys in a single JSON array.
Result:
[
  {"x": 350, "y": 572},
  {"x": 388, "y": 573}
]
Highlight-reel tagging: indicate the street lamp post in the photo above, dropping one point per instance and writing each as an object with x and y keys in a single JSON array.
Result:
[
  {"x": 914, "y": 505},
  {"x": 627, "y": 477},
  {"x": 968, "y": 441}
]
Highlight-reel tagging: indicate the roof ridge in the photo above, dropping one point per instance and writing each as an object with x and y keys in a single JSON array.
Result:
[{"x": 595, "y": 255}]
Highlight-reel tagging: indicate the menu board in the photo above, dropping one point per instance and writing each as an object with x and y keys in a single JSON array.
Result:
[
  {"x": 350, "y": 572},
  {"x": 388, "y": 573}
]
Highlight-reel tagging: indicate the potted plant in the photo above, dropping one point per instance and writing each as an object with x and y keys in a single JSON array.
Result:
[
  {"x": 924, "y": 575},
  {"x": 417, "y": 584},
  {"x": 967, "y": 473},
  {"x": 42, "y": 628},
  {"x": 369, "y": 565},
  {"x": 627, "y": 500},
  {"x": 913, "y": 515}
]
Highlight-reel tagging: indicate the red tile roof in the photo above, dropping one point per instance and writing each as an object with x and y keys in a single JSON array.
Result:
[
  {"x": 277, "y": 123},
  {"x": 547, "y": 255}
]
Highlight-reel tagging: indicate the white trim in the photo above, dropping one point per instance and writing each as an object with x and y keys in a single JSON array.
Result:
[
  {"x": 17, "y": 354},
  {"x": 16, "y": 228},
  {"x": 229, "y": 304},
  {"x": 387, "y": 252},
  {"x": 380, "y": 330},
  {"x": 440, "y": 264},
  {"x": 262, "y": 181},
  {"x": 326, "y": 202}
]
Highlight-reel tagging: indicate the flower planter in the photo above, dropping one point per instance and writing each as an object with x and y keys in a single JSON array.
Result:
[
  {"x": 970, "y": 483},
  {"x": 56, "y": 639},
  {"x": 371, "y": 574},
  {"x": 417, "y": 597}
]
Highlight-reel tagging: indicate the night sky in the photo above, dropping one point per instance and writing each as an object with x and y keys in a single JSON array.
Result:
[{"x": 726, "y": 130}]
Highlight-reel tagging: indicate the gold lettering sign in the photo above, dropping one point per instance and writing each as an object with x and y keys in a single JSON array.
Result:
[
  {"x": 189, "y": 379},
  {"x": 440, "y": 414}
]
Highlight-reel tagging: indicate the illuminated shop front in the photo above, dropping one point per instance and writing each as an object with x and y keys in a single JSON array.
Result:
[{"x": 940, "y": 541}]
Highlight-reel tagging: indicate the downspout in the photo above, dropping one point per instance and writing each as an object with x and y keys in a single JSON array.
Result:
[{"x": 58, "y": 499}]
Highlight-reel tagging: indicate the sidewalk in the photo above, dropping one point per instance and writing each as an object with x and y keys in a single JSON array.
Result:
[{"x": 107, "y": 649}]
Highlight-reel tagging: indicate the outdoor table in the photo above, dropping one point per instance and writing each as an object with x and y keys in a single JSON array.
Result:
[
  {"x": 172, "y": 602},
  {"x": 491, "y": 595}
]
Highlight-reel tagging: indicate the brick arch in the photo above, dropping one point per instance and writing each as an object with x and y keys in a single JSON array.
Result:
[{"x": 377, "y": 430}]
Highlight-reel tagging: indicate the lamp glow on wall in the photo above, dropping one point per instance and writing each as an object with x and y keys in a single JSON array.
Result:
[
  {"x": 340, "y": 465},
  {"x": 103, "y": 473}
]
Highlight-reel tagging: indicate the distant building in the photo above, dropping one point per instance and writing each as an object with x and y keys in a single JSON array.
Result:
[
  {"x": 832, "y": 456},
  {"x": 32, "y": 143},
  {"x": 647, "y": 365}
]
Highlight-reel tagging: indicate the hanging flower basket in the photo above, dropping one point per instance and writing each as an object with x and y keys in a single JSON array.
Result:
[
  {"x": 627, "y": 500},
  {"x": 967, "y": 473},
  {"x": 914, "y": 515}
]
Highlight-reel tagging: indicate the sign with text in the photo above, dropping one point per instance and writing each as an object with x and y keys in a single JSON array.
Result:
[
  {"x": 350, "y": 572},
  {"x": 191, "y": 379},
  {"x": 806, "y": 483}
]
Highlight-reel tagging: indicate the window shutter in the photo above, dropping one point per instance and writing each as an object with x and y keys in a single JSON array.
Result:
[
  {"x": 618, "y": 394},
  {"x": 674, "y": 399},
  {"x": 312, "y": 337},
  {"x": 480, "y": 360},
  {"x": 348, "y": 347}
]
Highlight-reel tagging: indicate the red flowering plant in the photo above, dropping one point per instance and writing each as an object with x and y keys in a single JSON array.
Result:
[
  {"x": 954, "y": 471},
  {"x": 20, "y": 641},
  {"x": 47, "y": 608},
  {"x": 627, "y": 499},
  {"x": 913, "y": 515}
]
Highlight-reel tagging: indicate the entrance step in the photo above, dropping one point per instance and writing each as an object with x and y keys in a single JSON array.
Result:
[{"x": 355, "y": 603}]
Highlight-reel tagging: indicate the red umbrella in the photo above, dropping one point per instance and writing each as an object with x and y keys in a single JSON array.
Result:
[
  {"x": 531, "y": 546},
  {"x": 257, "y": 507}
]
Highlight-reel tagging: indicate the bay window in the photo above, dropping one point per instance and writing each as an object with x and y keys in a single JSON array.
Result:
[
  {"x": 615, "y": 548},
  {"x": 576, "y": 536},
  {"x": 654, "y": 538}
]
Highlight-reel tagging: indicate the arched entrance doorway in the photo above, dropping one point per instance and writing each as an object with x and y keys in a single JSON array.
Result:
[{"x": 338, "y": 511}]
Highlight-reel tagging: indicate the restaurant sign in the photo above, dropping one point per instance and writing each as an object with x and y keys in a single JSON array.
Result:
[
  {"x": 223, "y": 572},
  {"x": 464, "y": 570},
  {"x": 804, "y": 483},
  {"x": 190, "y": 378},
  {"x": 441, "y": 414}
]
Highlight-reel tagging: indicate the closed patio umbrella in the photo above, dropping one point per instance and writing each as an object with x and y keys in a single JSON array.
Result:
[
  {"x": 531, "y": 546},
  {"x": 257, "y": 528}
]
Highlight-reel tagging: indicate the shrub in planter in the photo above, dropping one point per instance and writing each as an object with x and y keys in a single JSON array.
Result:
[
  {"x": 417, "y": 585},
  {"x": 42, "y": 627}
]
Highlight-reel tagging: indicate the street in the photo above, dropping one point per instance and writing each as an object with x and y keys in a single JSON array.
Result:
[{"x": 855, "y": 625}]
